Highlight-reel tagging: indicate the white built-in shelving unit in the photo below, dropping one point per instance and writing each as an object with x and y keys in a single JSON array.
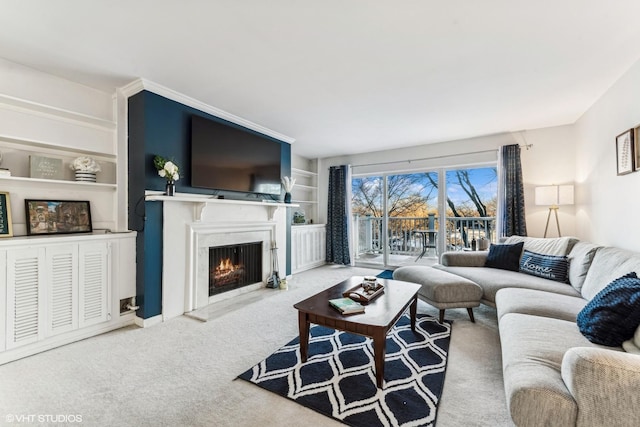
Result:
[
  {"x": 308, "y": 239},
  {"x": 63, "y": 287},
  {"x": 305, "y": 192}
]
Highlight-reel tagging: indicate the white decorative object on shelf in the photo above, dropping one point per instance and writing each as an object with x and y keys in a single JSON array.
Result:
[{"x": 85, "y": 168}]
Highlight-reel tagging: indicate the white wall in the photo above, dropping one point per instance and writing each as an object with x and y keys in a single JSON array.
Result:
[
  {"x": 551, "y": 160},
  {"x": 608, "y": 204}
]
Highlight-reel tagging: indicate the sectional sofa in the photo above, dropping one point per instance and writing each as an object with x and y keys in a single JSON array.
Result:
[{"x": 553, "y": 374}]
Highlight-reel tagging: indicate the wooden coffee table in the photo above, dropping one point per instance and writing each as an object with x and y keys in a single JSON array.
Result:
[{"x": 379, "y": 317}]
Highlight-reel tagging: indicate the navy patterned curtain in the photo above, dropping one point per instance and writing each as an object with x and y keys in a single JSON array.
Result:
[
  {"x": 512, "y": 210},
  {"x": 338, "y": 216}
]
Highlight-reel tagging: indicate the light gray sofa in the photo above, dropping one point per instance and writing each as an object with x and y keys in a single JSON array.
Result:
[{"x": 553, "y": 375}]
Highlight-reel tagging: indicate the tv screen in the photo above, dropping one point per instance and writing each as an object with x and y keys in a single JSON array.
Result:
[{"x": 224, "y": 157}]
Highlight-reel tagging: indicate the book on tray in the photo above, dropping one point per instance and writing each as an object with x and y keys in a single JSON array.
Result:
[{"x": 346, "y": 305}]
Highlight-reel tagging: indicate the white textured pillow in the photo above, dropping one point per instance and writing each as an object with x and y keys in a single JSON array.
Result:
[
  {"x": 559, "y": 246},
  {"x": 633, "y": 345}
]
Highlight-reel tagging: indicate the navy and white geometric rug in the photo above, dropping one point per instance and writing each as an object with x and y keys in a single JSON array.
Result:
[
  {"x": 385, "y": 274},
  {"x": 338, "y": 379}
]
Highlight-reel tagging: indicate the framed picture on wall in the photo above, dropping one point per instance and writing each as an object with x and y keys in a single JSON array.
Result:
[
  {"x": 625, "y": 156},
  {"x": 57, "y": 216}
]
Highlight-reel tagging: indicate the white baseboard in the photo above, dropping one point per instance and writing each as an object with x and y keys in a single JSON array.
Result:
[{"x": 151, "y": 321}]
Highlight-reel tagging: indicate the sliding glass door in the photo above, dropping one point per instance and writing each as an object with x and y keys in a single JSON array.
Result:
[
  {"x": 471, "y": 208},
  {"x": 391, "y": 217},
  {"x": 397, "y": 218}
]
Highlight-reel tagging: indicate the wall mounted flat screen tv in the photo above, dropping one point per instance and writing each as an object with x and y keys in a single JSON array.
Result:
[{"x": 224, "y": 157}]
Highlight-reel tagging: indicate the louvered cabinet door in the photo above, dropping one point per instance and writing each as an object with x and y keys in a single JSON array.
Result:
[
  {"x": 94, "y": 283},
  {"x": 62, "y": 288},
  {"x": 25, "y": 296}
]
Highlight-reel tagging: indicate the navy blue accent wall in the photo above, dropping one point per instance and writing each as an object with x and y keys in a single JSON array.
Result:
[{"x": 160, "y": 126}]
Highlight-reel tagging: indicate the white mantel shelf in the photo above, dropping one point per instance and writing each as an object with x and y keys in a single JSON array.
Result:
[{"x": 201, "y": 202}]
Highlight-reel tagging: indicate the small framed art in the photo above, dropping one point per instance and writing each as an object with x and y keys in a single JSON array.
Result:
[
  {"x": 57, "y": 216},
  {"x": 625, "y": 156},
  {"x": 6, "y": 228}
]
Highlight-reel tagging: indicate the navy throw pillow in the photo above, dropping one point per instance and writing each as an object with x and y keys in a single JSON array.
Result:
[
  {"x": 613, "y": 315},
  {"x": 550, "y": 267},
  {"x": 505, "y": 257}
]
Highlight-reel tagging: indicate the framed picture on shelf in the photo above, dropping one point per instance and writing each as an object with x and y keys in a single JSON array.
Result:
[
  {"x": 625, "y": 156},
  {"x": 6, "y": 228},
  {"x": 57, "y": 216}
]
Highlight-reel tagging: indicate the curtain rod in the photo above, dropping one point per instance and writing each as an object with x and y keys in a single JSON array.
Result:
[{"x": 527, "y": 146}]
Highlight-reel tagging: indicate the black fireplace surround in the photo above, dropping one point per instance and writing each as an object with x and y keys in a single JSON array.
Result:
[{"x": 234, "y": 266}]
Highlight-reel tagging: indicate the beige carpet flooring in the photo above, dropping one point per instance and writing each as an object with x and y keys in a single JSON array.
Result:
[{"x": 182, "y": 372}]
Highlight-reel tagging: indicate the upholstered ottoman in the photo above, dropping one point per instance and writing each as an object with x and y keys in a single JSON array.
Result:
[{"x": 441, "y": 289}]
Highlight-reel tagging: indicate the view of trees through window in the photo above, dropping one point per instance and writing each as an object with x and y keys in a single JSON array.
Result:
[{"x": 412, "y": 203}]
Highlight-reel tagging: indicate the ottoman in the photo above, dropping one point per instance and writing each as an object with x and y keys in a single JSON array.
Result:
[{"x": 441, "y": 289}]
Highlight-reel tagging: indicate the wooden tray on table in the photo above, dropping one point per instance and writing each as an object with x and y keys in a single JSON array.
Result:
[{"x": 364, "y": 293}]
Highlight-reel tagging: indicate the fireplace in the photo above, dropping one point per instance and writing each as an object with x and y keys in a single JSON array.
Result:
[
  {"x": 199, "y": 223},
  {"x": 234, "y": 266}
]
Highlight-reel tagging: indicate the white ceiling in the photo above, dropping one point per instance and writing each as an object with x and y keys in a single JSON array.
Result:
[{"x": 343, "y": 76}]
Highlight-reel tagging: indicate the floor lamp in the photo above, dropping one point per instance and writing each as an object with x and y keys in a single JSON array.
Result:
[{"x": 554, "y": 196}]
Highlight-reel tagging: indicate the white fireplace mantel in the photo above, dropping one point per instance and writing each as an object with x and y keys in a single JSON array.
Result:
[
  {"x": 200, "y": 203},
  {"x": 194, "y": 222}
]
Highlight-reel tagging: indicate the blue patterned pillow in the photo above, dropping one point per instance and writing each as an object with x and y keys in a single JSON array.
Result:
[
  {"x": 552, "y": 267},
  {"x": 505, "y": 257},
  {"x": 613, "y": 315}
]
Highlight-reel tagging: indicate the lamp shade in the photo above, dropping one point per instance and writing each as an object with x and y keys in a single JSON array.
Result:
[{"x": 554, "y": 195}]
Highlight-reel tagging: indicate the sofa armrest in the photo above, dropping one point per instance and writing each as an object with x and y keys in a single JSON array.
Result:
[
  {"x": 464, "y": 259},
  {"x": 604, "y": 384}
]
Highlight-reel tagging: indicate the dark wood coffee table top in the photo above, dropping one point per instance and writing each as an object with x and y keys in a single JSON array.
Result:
[
  {"x": 380, "y": 312},
  {"x": 378, "y": 318}
]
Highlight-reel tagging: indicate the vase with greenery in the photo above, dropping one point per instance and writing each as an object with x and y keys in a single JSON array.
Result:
[{"x": 168, "y": 170}]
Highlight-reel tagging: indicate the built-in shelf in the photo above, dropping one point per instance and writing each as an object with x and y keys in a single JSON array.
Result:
[
  {"x": 306, "y": 187},
  {"x": 57, "y": 182},
  {"x": 55, "y": 112},
  {"x": 305, "y": 191},
  {"x": 302, "y": 172}
]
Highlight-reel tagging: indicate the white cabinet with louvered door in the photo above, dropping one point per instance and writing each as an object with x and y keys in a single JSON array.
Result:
[
  {"x": 25, "y": 296},
  {"x": 62, "y": 288},
  {"x": 94, "y": 283}
]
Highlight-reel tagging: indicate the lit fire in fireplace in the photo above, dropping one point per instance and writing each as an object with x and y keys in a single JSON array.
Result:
[{"x": 226, "y": 272}]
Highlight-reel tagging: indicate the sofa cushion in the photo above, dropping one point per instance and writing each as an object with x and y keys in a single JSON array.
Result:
[
  {"x": 552, "y": 267},
  {"x": 531, "y": 364},
  {"x": 612, "y": 316},
  {"x": 552, "y": 246},
  {"x": 491, "y": 280},
  {"x": 538, "y": 303},
  {"x": 608, "y": 264},
  {"x": 504, "y": 257},
  {"x": 580, "y": 259}
]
